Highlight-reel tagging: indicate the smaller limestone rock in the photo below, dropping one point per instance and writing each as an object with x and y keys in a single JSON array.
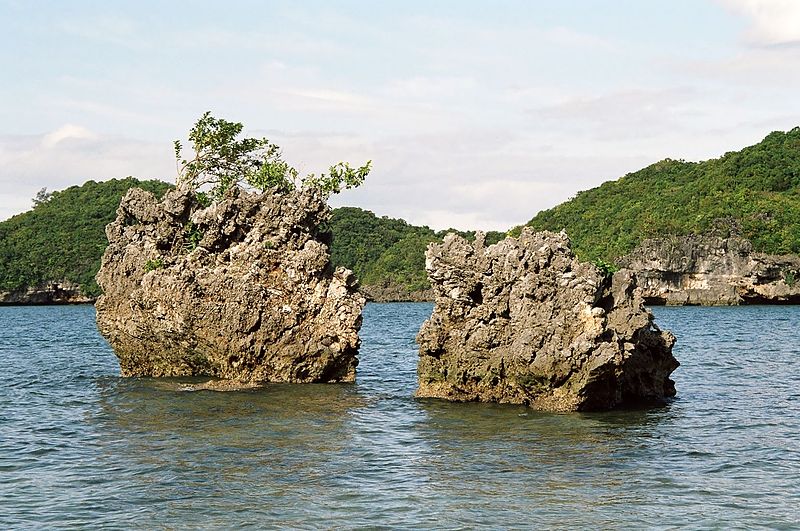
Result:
[
  {"x": 221, "y": 386},
  {"x": 524, "y": 322}
]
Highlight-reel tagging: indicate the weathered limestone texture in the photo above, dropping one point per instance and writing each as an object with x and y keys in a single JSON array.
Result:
[
  {"x": 711, "y": 270},
  {"x": 524, "y": 322},
  {"x": 242, "y": 289}
]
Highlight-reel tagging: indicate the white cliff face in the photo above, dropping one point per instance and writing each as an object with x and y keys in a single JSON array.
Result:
[
  {"x": 710, "y": 270},
  {"x": 242, "y": 289},
  {"x": 523, "y": 321}
]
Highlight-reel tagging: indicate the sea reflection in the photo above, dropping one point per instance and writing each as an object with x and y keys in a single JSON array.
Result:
[
  {"x": 80, "y": 447},
  {"x": 187, "y": 447},
  {"x": 542, "y": 464}
]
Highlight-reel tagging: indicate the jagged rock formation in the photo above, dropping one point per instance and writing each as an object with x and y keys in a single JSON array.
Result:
[
  {"x": 242, "y": 289},
  {"x": 524, "y": 322},
  {"x": 63, "y": 292},
  {"x": 712, "y": 270}
]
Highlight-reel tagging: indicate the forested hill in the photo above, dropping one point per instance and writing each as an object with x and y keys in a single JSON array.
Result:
[
  {"x": 386, "y": 252},
  {"x": 754, "y": 192},
  {"x": 63, "y": 237}
]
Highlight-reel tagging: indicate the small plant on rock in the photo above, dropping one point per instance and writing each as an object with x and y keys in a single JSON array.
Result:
[
  {"x": 203, "y": 199},
  {"x": 154, "y": 264},
  {"x": 191, "y": 237},
  {"x": 221, "y": 160},
  {"x": 606, "y": 268}
]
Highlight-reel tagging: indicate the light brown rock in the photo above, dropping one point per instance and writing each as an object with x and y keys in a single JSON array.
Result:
[
  {"x": 242, "y": 289},
  {"x": 524, "y": 322},
  {"x": 712, "y": 270}
]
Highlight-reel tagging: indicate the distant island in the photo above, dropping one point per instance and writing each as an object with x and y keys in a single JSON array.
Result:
[{"x": 52, "y": 252}]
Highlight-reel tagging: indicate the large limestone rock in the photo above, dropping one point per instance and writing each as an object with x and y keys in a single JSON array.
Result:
[
  {"x": 242, "y": 289},
  {"x": 524, "y": 322},
  {"x": 712, "y": 270}
]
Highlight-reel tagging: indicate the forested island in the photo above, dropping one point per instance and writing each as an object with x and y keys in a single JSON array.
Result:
[
  {"x": 753, "y": 193},
  {"x": 54, "y": 249},
  {"x": 52, "y": 252}
]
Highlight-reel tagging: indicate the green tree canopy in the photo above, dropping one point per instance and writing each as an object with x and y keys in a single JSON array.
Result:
[
  {"x": 754, "y": 192},
  {"x": 63, "y": 236},
  {"x": 220, "y": 159}
]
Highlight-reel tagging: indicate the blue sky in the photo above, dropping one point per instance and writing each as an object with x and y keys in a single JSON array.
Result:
[{"x": 475, "y": 114}]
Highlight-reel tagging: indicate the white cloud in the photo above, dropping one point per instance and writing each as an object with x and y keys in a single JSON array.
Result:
[
  {"x": 759, "y": 70},
  {"x": 625, "y": 114},
  {"x": 772, "y": 22},
  {"x": 470, "y": 123},
  {"x": 326, "y": 99},
  {"x": 430, "y": 88},
  {"x": 568, "y": 37},
  {"x": 66, "y": 132},
  {"x": 71, "y": 155}
]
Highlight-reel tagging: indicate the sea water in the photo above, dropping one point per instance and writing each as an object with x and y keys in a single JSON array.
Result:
[{"x": 81, "y": 447}]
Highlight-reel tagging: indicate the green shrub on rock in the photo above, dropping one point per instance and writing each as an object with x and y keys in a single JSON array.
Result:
[{"x": 220, "y": 160}]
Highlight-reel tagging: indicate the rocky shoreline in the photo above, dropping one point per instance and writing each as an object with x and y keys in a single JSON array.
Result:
[
  {"x": 50, "y": 293},
  {"x": 55, "y": 294},
  {"x": 675, "y": 271},
  {"x": 391, "y": 292},
  {"x": 712, "y": 271}
]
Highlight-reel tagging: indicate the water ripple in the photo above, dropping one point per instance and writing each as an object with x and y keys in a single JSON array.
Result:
[{"x": 81, "y": 447}]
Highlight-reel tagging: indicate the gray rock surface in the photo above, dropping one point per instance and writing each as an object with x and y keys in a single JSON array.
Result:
[
  {"x": 712, "y": 270},
  {"x": 524, "y": 322},
  {"x": 242, "y": 289}
]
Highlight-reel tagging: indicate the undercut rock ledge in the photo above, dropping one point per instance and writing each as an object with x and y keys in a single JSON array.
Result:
[{"x": 524, "y": 322}]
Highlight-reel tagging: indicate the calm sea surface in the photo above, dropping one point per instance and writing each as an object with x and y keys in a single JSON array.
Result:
[{"x": 81, "y": 447}]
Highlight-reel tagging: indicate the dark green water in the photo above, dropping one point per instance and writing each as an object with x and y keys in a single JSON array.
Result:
[{"x": 80, "y": 447}]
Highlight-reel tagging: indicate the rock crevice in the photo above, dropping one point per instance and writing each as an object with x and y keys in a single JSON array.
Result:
[{"x": 523, "y": 321}]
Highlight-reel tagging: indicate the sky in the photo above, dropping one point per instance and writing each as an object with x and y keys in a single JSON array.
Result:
[{"x": 476, "y": 114}]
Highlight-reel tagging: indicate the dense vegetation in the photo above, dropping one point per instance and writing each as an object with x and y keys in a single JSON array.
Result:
[
  {"x": 754, "y": 192},
  {"x": 382, "y": 250},
  {"x": 63, "y": 237},
  {"x": 360, "y": 240}
]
